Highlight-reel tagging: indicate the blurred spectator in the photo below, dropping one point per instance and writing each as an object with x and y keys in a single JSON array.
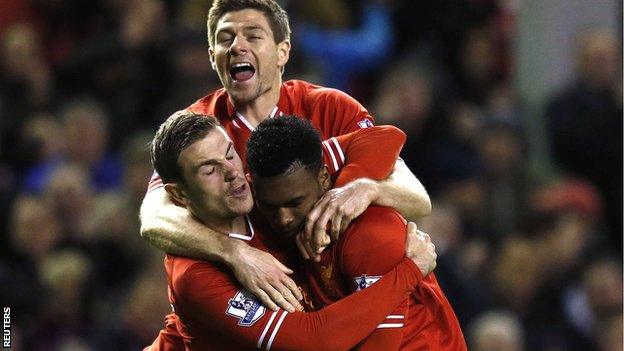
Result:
[
  {"x": 70, "y": 195},
  {"x": 140, "y": 317},
  {"x": 503, "y": 106},
  {"x": 596, "y": 301},
  {"x": 610, "y": 335},
  {"x": 64, "y": 320},
  {"x": 87, "y": 120},
  {"x": 339, "y": 47},
  {"x": 25, "y": 69},
  {"x": 51, "y": 147},
  {"x": 137, "y": 167},
  {"x": 35, "y": 230},
  {"x": 502, "y": 153},
  {"x": 42, "y": 147},
  {"x": 453, "y": 156},
  {"x": 460, "y": 279},
  {"x": 585, "y": 122},
  {"x": 407, "y": 97},
  {"x": 515, "y": 275},
  {"x": 192, "y": 73},
  {"x": 564, "y": 227},
  {"x": 26, "y": 85},
  {"x": 496, "y": 331},
  {"x": 126, "y": 64}
]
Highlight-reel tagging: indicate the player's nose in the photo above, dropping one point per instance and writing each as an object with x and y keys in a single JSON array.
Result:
[
  {"x": 285, "y": 218},
  {"x": 230, "y": 171},
  {"x": 239, "y": 46}
]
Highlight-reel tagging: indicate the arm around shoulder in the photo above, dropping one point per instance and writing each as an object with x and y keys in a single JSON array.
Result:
[
  {"x": 172, "y": 229},
  {"x": 403, "y": 192}
]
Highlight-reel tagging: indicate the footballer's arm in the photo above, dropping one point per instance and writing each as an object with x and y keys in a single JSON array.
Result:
[
  {"x": 403, "y": 192},
  {"x": 374, "y": 175},
  {"x": 202, "y": 296},
  {"x": 174, "y": 230}
]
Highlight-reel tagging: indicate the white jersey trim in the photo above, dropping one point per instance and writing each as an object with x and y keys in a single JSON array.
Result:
[
  {"x": 342, "y": 156},
  {"x": 390, "y": 325},
  {"x": 266, "y": 329},
  {"x": 244, "y": 237},
  {"x": 331, "y": 154},
  {"x": 245, "y": 121},
  {"x": 277, "y": 326},
  {"x": 273, "y": 113}
]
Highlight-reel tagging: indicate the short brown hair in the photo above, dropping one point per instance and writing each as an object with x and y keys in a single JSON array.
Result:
[
  {"x": 177, "y": 133},
  {"x": 275, "y": 14}
]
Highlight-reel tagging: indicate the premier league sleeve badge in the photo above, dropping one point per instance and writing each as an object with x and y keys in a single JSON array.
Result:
[{"x": 246, "y": 308}]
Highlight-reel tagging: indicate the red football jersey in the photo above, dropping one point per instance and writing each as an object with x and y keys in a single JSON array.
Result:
[
  {"x": 371, "y": 245},
  {"x": 368, "y": 152},
  {"x": 215, "y": 313},
  {"x": 331, "y": 112}
]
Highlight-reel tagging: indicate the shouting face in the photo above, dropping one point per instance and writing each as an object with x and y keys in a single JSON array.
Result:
[{"x": 246, "y": 57}]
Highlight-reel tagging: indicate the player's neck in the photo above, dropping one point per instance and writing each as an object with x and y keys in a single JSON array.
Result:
[
  {"x": 226, "y": 226},
  {"x": 259, "y": 109}
]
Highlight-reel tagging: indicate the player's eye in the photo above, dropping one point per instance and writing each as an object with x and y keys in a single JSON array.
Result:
[
  {"x": 294, "y": 204},
  {"x": 224, "y": 39}
]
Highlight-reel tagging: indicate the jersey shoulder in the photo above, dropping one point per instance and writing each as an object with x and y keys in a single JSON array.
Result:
[
  {"x": 213, "y": 104},
  {"x": 312, "y": 93},
  {"x": 375, "y": 226}
]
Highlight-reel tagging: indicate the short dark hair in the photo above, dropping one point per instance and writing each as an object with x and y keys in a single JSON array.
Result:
[
  {"x": 275, "y": 14},
  {"x": 177, "y": 133},
  {"x": 279, "y": 145}
]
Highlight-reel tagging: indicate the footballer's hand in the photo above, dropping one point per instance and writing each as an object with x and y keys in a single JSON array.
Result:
[
  {"x": 338, "y": 207},
  {"x": 305, "y": 247},
  {"x": 420, "y": 249},
  {"x": 266, "y": 277}
]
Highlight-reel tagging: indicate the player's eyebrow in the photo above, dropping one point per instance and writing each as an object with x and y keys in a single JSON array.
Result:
[
  {"x": 287, "y": 203},
  {"x": 294, "y": 201},
  {"x": 212, "y": 161},
  {"x": 247, "y": 28},
  {"x": 252, "y": 28}
]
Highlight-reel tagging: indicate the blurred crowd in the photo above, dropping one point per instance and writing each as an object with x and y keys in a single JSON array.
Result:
[{"x": 529, "y": 260}]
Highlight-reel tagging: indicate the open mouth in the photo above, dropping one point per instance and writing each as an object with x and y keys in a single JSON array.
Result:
[
  {"x": 239, "y": 191},
  {"x": 242, "y": 71}
]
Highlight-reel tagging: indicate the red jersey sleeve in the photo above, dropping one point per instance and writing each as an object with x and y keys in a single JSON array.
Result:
[
  {"x": 232, "y": 312},
  {"x": 380, "y": 233},
  {"x": 370, "y": 153}
]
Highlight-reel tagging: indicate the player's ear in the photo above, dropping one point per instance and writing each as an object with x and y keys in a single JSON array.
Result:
[
  {"x": 324, "y": 178},
  {"x": 212, "y": 59},
  {"x": 283, "y": 53},
  {"x": 248, "y": 177},
  {"x": 177, "y": 193}
]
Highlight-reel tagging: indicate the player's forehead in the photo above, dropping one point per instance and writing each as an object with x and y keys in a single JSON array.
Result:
[
  {"x": 247, "y": 19},
  {"x": 212, "y": 146},
  {"x": 285, "y": 187}
]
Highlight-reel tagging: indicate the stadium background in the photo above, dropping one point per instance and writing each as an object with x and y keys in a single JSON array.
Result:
[{"x": 513, "y": 110}]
